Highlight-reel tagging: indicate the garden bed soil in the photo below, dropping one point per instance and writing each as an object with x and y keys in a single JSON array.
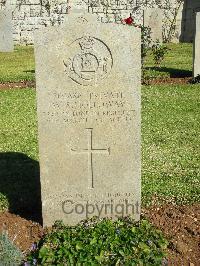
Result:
[
  {"x": 172, "y": 81},
  {"x": 21, "y": 231},
  {"x": 17, "y": 85},
  {"x": 180, "y": 224},
  {"x": 156, "y": 81}
]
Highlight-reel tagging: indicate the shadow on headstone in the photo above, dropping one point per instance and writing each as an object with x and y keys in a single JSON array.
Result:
[{"x": 20, "y": 183}]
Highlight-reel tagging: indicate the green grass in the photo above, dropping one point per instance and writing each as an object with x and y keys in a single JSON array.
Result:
[
  {"x": 18, "y": 128},
  {"x": 20, "y": 65},
  {"x": 19, "y": 174},
  {"x": 171, "y": 143},
  {"x": 17, "y": 66},
  {"x": 170, "y": 147},
  {"x": 177, "y": 62}
]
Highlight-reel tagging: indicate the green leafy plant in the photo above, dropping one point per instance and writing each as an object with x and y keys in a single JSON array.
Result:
[
  {"x": 145, "y": 47},
  {"x": 170, "y": 18},
  {"x": 9, "y": 253},
  {"x": 146, "y": 39},
  {"x": 196, "y": 79},
  {"x": 101, "y": 242},
  {"x": 4, "y": 205},
  {"x": 146, "y": 42},
  {"x": 159, "y": 51}
]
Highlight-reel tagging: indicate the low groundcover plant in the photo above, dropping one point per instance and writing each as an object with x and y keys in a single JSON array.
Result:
[
  {"x": 101, "y": 242},
  {"x": 4, "y": 205},
  {"x": 9, "y": 253}
]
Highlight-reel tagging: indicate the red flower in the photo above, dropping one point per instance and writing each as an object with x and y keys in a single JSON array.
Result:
[{"x": 129, "y": 20}]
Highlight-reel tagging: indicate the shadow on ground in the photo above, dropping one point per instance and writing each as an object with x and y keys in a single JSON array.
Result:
[
  {"x": 30, "y": 71},
  {"x": 20, "y": 183},
  {"x": 173, "y": 72}
]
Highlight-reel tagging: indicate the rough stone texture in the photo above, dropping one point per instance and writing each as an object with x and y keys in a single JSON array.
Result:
[
  {"x": 196, "y": 68},
  {"x": 29, "y": 15},
  {"x": 88, "y": 93},
  {"x": 153, "y": 18},
  {"x": 6, "y": 36}
]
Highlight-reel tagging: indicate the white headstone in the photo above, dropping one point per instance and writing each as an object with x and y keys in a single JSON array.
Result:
[
  {"x": 6, "y": 35},
  {"x": 153, "y": 18},
  {"x": 196, "y": 49},
  {"x": 88, "y": 77}
]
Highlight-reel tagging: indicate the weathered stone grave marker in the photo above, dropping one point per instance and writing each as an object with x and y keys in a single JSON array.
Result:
[
  {"x": 88, "y": 96},
  {"x": 6, "y": 36},
  {"x": 152, "y": 17},
  {"x": 90, "y": 151},
  {"x": 78, "y": 6},
  {"x": 196, "y": 49}
]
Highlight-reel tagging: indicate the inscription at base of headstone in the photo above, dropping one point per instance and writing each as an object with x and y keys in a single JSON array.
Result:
[
  {"x": 88, "y": 78},
  {"x": 153, "y": 18},
  {"x": 196, "y": 50},
  {"x": 6, "y": 35}
]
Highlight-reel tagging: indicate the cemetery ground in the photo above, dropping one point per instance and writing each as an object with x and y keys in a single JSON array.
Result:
[
  {"x": 170, "y": 151},
  {"x": 18, "y": 67}
]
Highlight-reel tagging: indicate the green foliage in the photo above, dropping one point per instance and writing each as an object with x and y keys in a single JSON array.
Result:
[
  {"x": 3, "y": 203},
  {"x": 145, "y": 37},
  {"x": 196, "y": 80},
  {"x": 146, "y": 42},
  {"x": 170, "y": 18},
  {"x": 159, "y": 51},
  {"x": 9, "y": 253},
  {"x": 177, "y": 63},
  {"x": 102, "y": 242}
]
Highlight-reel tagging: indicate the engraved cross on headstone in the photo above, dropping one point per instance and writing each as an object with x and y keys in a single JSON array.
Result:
[{"x": 90, "y": 151}]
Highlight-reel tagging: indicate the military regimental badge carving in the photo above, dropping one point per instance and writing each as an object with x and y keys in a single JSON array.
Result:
[{"x": 89, "y": 62}]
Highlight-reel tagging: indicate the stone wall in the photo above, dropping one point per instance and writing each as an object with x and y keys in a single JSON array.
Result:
[
  {"x": 29, "y": 15},
  {"x": 32, "y": 14}
]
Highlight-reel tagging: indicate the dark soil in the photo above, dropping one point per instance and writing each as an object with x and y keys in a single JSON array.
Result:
[
  {"x": 156, "y": 81},
  {"x": 173, "y": 81},
  {"x": 180, "y": 224},
  {"x": 17, "y": 85},
  {"x": 23, "y": 232}
]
